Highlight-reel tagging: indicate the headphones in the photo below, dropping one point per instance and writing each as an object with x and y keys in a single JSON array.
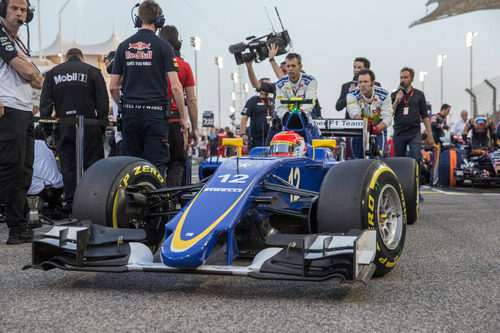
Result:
[
  {"x": 29, "y": 13},
  {"x": 159, "y": 21}
]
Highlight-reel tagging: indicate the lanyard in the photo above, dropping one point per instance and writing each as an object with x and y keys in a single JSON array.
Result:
[
  {"x": 16, "y": 39},
  {"x": 406, "y": 101},
  {"x": 266, "y": 107}
]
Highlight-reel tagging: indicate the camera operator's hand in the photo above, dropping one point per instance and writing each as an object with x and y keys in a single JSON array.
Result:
[
  {"x": 273, "y": 51},
  {"x": 249, "y": 63}
]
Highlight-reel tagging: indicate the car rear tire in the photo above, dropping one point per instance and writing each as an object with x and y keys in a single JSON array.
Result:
[
  {"x": 96, "y": 197},
  {"x": 365, "y": 194},
  {"x": 406, "y": 169},
  {"x": 449, "y": 160}
]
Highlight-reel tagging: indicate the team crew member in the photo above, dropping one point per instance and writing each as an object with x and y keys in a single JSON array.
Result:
[
  {"x": 374, "y": 103},
  {"x": 409, "y": 107},
  {"x": 359, "y": 64},
  {"x": 75, "y": 88},
  {"x": 142, "y": 61},
  {"x": 179, "y": 140},
  {"x": 438, "y": 123},
  {"x": 296, "y": 85},
  {"x": 47, "y": 182},
  {"x": 259, "y": 109},
  {"x": 483, "y": 131},
  {"x": 17, "y": 78}
]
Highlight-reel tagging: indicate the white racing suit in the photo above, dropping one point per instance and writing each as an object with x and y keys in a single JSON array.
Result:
[
  {"x": 307, "y": 88},
  {"x": 378, "y": 108}
]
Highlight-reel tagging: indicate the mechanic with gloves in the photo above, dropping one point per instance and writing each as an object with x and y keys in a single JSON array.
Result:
[
  {"x": 438, "y": 123},
  {"x": 297, "y": 85},
  {"x": 371, "y": 102},
  {"x": 144, "y": 61},
  {"x": 75, "y": 88},
  {"x": 483, "y": 130},
  {"x": 17, "y": 78}
]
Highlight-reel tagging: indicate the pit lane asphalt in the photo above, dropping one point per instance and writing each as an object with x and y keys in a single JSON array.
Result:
[{"x": 447, "y": 281}]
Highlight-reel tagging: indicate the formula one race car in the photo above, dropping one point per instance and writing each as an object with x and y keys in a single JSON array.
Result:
[
  {"x": 481, "y": 166},
  {"x": 301, "y": 214}
]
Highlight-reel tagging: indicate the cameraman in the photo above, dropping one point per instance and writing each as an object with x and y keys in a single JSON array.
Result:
[
  {"x": 267, "y": 87},
  {"x": 143, "y": 60}
]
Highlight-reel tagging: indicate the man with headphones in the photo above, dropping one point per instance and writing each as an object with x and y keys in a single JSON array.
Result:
[
  {"x": 179, "y": 141},
  {"x": 142, "y": 61},
  {"x": 17, "y": 78}
]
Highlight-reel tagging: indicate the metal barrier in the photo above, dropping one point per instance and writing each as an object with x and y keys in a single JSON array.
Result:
[{"x": 79, "y": 122}]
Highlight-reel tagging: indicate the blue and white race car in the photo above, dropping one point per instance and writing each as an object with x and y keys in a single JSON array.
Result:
[{"x": 268, "y": 215}]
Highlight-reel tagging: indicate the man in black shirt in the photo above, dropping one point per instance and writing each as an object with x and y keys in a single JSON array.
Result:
[
  {"x": 260, "y": 109},
  {"x": 438, "y": 123},
  {"x": 409, "y": 107},
  {"x": 144, "y": 61},
  {"x": 75, "y": 88},
  {"x": 359, "y": 64}
]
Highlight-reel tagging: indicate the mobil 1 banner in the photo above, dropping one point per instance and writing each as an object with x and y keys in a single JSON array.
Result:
[{"x": 208, "y": 119}]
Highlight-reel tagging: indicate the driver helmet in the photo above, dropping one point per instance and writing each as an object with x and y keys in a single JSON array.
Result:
[{"x": 288, "y": 143}]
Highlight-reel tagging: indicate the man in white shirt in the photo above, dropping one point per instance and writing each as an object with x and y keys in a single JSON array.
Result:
[
  {"x": 17, "y": 78},
  {"x": 459, "y": 125},
  {"x": 47, "y": 181}
]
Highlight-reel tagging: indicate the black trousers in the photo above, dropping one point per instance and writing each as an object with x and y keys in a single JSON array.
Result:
[
  {"x": 145, "y": 135},
  {"x": 66, "y": 147},
  {"x": 17, "y": 153},
  {"x": 176, "y": 167}
]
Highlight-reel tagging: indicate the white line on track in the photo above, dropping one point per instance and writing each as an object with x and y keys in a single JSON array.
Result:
[{"x": 426, "y": 189}]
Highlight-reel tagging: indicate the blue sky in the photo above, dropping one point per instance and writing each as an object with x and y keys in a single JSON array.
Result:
[{"x": 328, "y": 34}]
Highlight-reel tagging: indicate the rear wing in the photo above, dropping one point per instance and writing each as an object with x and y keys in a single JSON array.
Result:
[
  {"x": 348, "y": 128},
  {"x": 342, "y": 127}
]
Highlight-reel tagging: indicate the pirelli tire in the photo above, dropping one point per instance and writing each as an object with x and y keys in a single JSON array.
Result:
[
  {"x": 96, "y": 197},
  {"x": 407, "y": 171},
  {"x": 365, "y": 194}
]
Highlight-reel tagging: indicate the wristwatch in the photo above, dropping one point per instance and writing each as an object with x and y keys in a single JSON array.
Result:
[{"x": 271, "y": 60}]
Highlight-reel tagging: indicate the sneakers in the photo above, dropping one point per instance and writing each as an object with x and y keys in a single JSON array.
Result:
[
  {"x": 420, "y": 198},
  {"x": 24, "y": 236}
]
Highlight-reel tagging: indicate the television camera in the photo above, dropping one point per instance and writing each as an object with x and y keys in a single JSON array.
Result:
[{"x": 257, "y": 46}]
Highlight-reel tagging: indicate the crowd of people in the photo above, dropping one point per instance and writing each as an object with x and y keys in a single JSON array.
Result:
[{"x": 153, "y": 96}]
